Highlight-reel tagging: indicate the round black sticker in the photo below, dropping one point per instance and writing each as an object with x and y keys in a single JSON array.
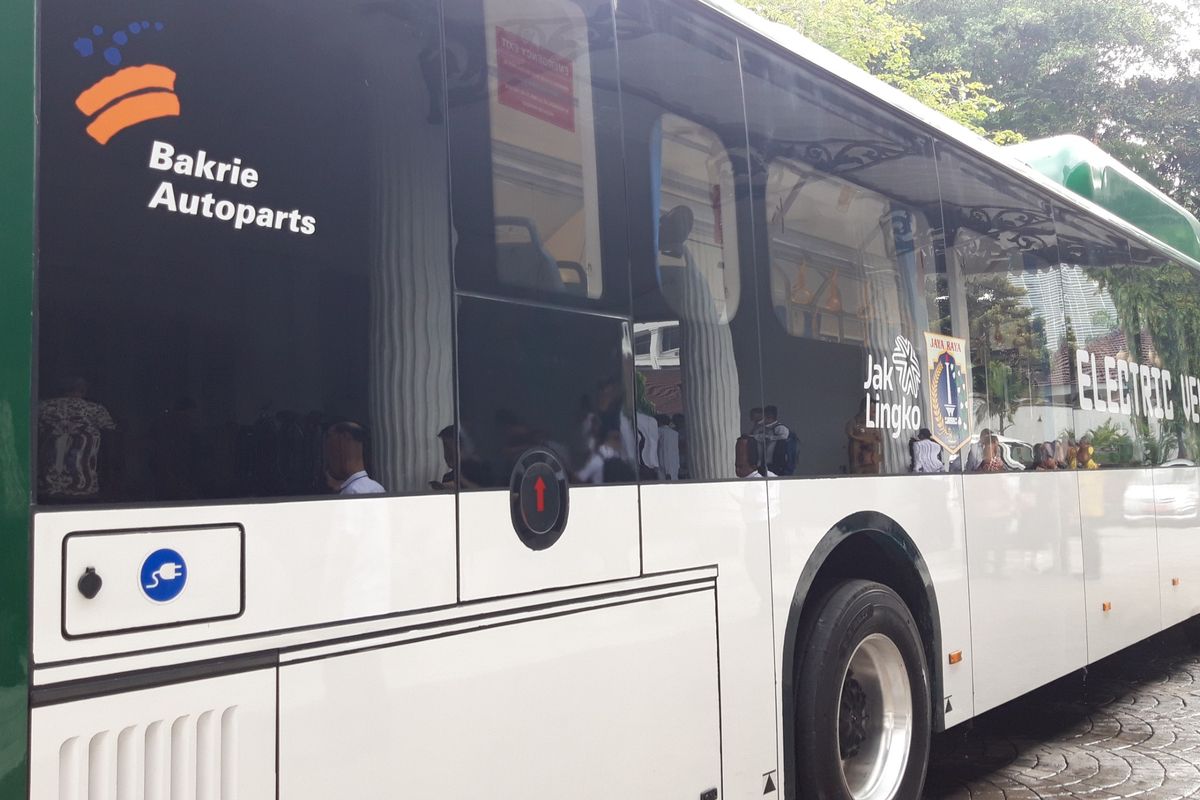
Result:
[{"x": 539, "y": 499}]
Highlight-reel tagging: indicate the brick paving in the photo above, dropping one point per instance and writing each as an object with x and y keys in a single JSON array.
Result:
[{"x": 1127, "y": 727}]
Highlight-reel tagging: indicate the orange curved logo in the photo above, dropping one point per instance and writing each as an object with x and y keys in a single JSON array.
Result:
[{"x": 126, "y": 98}]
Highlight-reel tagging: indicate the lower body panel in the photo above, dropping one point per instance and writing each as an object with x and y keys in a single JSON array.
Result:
[{"x": 612, "y": 701}]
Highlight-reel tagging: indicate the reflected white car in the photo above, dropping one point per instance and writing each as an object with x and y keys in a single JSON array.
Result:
[
  {"x": 1016, "y": 454},
  {"x": 1166, "y": 500}
]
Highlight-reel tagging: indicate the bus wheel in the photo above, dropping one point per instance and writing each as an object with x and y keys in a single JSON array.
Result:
[{"x": 862, "y": 699}]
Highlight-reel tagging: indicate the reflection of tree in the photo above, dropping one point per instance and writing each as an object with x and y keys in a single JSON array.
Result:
[
  {"x": 1112, "y": 442},
  {"x": 1008, "y": 346},
  {"x": 1161, "y": 302},
  {"x": 1001, "y": 387}
]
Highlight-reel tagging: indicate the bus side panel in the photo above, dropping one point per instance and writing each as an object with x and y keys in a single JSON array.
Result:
[
  {"x": 612, "y": 702},
  {"x": 929, "y": 509},
  {"x": 1026, "y": 566},
  {"x": 725, "y": 523},
  {"x": 16, "y": 275},
  {"x": 304, "y": 564},
  {"x": 1120, "y": 559},
  {"x": 1177, "y": 516},
  {"x": 208, "y": 738}
]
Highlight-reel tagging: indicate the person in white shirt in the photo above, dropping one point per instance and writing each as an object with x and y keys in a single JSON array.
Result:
[
  {"x": 769, "y": 432},
  {"x": 668, "y": 449},
  {"x": 609, "y": 450},
  {"x": 746, "y": 460},
  {"x": 926, "y": 453},
  {"x": 647, "y": 434},
  {"x": 345, "y": 468}
]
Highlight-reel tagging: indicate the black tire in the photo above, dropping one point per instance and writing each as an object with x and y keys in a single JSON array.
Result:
[{"x": 844, "y": 618}]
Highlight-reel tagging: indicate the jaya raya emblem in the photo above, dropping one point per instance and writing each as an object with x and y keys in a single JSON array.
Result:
[{"x": 949, "y": 397}]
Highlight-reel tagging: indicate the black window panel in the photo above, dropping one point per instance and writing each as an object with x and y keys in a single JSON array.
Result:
[
  {"x": 223, "y": 349},
  {"x": 535, "y": 143},
  {"x": 1000, "y": 236},
  {"x": 537, "y": 377},
  {"x": 691, "y": 244},
  {"x": 847, "y": 218},
  {"x": 544, "y": 345}
]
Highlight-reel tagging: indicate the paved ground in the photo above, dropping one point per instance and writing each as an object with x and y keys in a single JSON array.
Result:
[{"x": 1129, "y": 727}]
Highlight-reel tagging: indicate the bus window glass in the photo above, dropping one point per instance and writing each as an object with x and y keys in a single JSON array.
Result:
[
  {"x": 862, "y": 327},
  {"x": 689, "y": 224},
  {"x": 549, "y": 379},
  {"x": 249, "y": 254},
  {"x": 1000, "y": 237},
  {"x": 544, "y": 344},
  {"x": 1128, "y": 360},
  {"x": 527, "y": 191},
  {"x": 697, "y": 179},
  {"x": 1099, "y": 354}
]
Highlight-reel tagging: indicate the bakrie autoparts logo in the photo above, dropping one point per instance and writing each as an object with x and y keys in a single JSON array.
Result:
[
  {"x": 129, "y": 96},
  {"x": 136, "y": 94}
]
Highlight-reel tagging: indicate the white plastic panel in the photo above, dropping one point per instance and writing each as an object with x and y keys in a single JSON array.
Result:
[
  {"x": 616, "y": 702},
  {"x": 1027, "y": 595},
  {"x": 928, "y": 507},
  {"x": 201, "y": 740},
  {"x": 685, "y": 524},
  {"x": 599, "y": 543},
  {"x": 1120, "y": 559},
  {"x": 210, "y": 575},
  {"x": 1177, "y": 507},
  {"x": 306, "y": 563}
]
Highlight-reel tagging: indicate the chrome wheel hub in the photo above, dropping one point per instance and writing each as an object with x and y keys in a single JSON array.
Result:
[{"x": 875, "y": 717}]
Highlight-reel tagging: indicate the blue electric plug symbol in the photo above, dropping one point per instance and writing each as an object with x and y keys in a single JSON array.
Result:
[{"x": 163, "y": 575}]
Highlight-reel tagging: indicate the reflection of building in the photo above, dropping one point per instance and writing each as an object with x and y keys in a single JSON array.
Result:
[
  {"x": 656, "y": 356},
  {"x": 656, "y": 345},
  {"x": 1056, "y": 295}
]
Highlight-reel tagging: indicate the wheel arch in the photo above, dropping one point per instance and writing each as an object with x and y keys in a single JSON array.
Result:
[{"x": 872, "y": 545}]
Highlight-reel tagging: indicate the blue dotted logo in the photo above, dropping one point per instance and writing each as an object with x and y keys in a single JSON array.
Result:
[{"x": 164, "y": 574}]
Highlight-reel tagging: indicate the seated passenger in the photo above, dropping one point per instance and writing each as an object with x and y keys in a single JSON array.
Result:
[
  {"x": 1043, "y": 457},
  {"x": 747, "y": 461},
  {"x": 345, "y": 468},
  {"x": 1085, "y": 454},
  {"x": 991, "y": 460},
  {"x": 926, "y": 453},
  {"x": 607, "y": 463},
  {"x": 467, "y": 471}
]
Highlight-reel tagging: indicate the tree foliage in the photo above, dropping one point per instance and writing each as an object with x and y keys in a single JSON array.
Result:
[
  {"x": 1008, "y": 346},
  {"x": 1162, "y": 303},
  {"x": 1117, "y": 72},
  {"x": 870, "y": 35}
]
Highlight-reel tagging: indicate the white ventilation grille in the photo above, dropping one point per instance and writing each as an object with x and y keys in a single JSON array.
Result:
[{"x": 191, "y": 757}]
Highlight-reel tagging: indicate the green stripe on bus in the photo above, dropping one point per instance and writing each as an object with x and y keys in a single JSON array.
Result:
[{"x": 16, "y": 303}]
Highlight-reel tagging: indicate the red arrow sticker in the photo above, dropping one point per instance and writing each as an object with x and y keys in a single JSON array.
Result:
[{"x": 539, "y": 486}]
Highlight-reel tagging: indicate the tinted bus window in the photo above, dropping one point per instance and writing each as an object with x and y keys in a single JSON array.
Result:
[
  {"x": 531, "y": 93},
  {"x": 1104, "y": 352},
  {"x": 1001, "y": 237},
  {"x": 689, "y": 228},
  {"x": 244, "y": 243},
  {"x": 1129, "y": 359},
  {"x": 847, "y": 211},
  {"x": 543, "y": 327}
]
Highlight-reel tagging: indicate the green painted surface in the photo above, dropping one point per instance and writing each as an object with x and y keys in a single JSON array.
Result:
[
  {"x": 1088, "y": 171},
  {"x": 16, "y": 292}
]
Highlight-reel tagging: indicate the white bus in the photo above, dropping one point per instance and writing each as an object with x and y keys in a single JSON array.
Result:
[{"x": 330, "y": 466}]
